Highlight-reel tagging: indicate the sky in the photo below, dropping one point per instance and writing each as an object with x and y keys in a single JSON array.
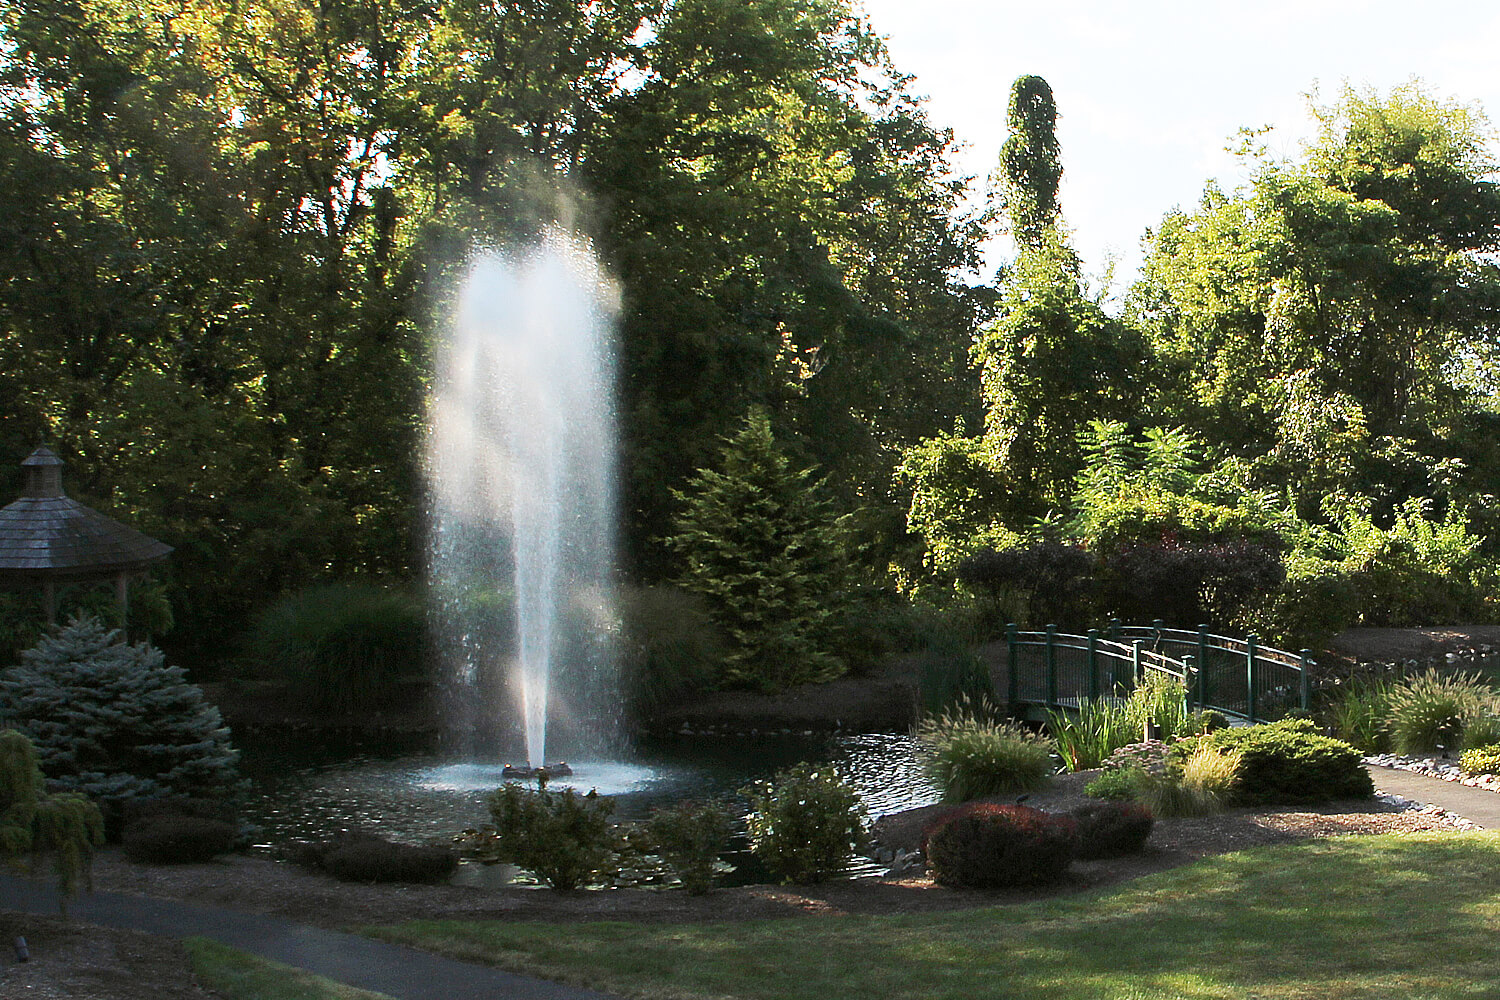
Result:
[{"x": 1150, "y": 92}]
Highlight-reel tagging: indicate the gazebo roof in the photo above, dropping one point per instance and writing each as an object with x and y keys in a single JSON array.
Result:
[{"x": 45, "y": 534}]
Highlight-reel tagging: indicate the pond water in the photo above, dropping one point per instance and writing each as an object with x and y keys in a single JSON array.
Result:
[{"x": 308, "y": 788}]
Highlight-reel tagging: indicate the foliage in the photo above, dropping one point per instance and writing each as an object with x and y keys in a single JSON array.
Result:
[
  {"x": 1358, "y": 715},
  {"x": 971, "y": 755},
  {"x": 1201, "y": 785},
  {"x": 1432, "y": 709},
  {"x": 114, "y": 722},
  {"x": 1111, "y": 829},
  {"x": 1031, "y": 161},
  {"x": 1480, "y": 760},
  {"x": 376, "y": 860},
  {"x": 670, "y": 648},
  {"x": 959, "y": 499},
  {"x": 951, "y": 673},
  {"x": 560, "y": 836},
  {"x": 804, "y": 822},
  {"x": 173, "y": 840},
  {"x": 764, "y": 549},
  {"x": 988, "y": 846},
  {"x": 1055, "y": 579},
  {"x": 690, "y": 836},
  {"x": 343, "y": 647},
  {"x": 1086, "y": 738},
  {"x": 1115, "y": 784},
  {"x": 1482, "y": 730},
  {"x": 1288, "y": 762},
  {"x": 67, "y": 827}
]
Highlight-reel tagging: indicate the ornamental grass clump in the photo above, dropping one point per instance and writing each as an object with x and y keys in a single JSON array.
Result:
[
  {"x": 1432, "y": 710},
  {"x": 1087, "y": 736},
  {"x": 1201, "y": 785},
  {"x": 1359, "y": 714},
  {"x": 972, "y": 755},
  {"x": 804, "y": 823},
  {"x": 988, "y": 846}
]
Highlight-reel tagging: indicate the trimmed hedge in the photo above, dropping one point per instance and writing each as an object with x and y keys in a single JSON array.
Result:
[
  {"x": 988, "y": 846},
  {"x": 1111, "y": 829},
  {"x": 356, "y": 856},
  {"x": 175, "y": 840},
  {"x": 1288, "y": 763}
]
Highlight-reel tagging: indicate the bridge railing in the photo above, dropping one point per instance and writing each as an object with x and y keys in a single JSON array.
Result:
[{"x": 1238, "y": 677}]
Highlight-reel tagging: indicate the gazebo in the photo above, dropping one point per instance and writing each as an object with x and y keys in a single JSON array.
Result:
[{"x": 47, "y": 538}]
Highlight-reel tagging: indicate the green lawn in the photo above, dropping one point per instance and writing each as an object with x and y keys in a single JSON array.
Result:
[
  {"x": 1356, "y": 917},
  {"x": 241, "y": 976}
]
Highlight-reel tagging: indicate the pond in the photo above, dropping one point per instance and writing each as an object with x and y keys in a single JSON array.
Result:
[{"x": 308, "y": 788}]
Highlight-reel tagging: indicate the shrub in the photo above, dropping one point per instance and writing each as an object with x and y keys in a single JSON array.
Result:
[
  {"x": 1359, "y": 713},
  {"x": 690, "y": 836},
  {"x": 671, "y": 648},
  {"x": 972, "y": 756},
  {"x": 1432, "y": 709},
  {"x": 1288, "y": 762},
  {"x": 342, "y": 647},
  {"x": 67, "y": 827},
  {"x": 986, "y": 846},
  {"x": 114, "y": 722},
  {"x": 1118, "y": 784},
  {"x": 1111, "y": 829},
  {"x": 804, "y": 823},
  {"x": 1056, "y": 578},
  {"x": 376, "y": 860},
  {"x": 1480, "y": 760},
  {"x": 175, "y": 839},
  {"x": 563, "y": 838}
]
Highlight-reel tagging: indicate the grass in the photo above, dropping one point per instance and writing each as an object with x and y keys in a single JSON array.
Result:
[
  {"x": 241, "y": 976},
  {"x": 1367, "y": 917}
]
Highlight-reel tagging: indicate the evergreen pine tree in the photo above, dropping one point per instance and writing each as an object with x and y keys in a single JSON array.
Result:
[
  {"x": 113, "y": 721},
  {"x": 765, "y": 551}
]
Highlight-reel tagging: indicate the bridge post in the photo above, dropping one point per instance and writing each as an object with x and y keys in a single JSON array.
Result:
[
  {"x": 1012, "y": 671},
  {"x": 1187, "y": 680},
  {"x": 1135, "y": 660},
  {"x": 1202, "y": 667},
  {"x": 1303, "y": 656},
  {"x": 1250, "y": 641},
  {"x": 1093, "y": 664},
  {"x": 1051, "y": 666},
  {"x": 1114, "y": 628}
]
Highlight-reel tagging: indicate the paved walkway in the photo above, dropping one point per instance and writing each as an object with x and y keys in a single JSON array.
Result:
[
  {"x": 1477, "y": 805},
  {"x": 400, "y": 972}
]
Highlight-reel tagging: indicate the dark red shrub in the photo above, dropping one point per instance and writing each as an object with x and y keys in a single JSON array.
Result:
[
  {"x": 175, "y": 840},
  {"x": 1110, "y": 829},
  {"x": 987, "y": 846}
]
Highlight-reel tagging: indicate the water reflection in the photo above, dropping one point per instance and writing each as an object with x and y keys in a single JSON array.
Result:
[{"x": 414, "y": 794}]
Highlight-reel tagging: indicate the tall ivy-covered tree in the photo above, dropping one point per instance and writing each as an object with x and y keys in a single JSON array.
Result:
[
  {"x": 1052, "y": 360},
  {"x": 757, "y": 540},
  {"x": 1031, "y": 162}
]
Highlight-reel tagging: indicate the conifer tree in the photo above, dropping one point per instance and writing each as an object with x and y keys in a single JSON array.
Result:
[
  {"x": 764, "y": 550},
  {"x": 113, "y": 721}
]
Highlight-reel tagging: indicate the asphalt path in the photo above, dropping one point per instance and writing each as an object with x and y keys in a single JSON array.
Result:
[{"x": 395, "y": 970}]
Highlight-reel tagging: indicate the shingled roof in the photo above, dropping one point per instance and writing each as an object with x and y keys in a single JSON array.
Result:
[{"x": 46, "y": 535}]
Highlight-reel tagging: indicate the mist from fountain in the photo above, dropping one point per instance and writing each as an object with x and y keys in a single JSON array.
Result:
[{"x": 521, "y": 489}]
